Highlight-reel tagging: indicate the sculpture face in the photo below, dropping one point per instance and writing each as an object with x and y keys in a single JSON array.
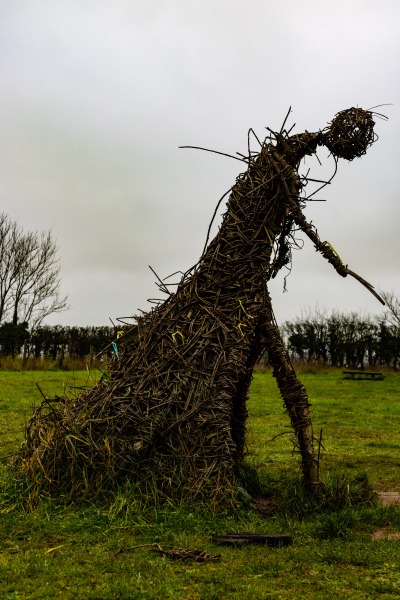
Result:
[{"x": 350, "y": 133}]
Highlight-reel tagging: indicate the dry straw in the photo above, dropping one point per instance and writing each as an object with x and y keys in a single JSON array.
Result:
[{"x": 171, "y": 415}]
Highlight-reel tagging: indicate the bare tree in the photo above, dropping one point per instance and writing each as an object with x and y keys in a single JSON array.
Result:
[
  {"x": 29, "y": 275},
  {"x": 393, "y": 305},
  {"x": 8, "y": 262}
]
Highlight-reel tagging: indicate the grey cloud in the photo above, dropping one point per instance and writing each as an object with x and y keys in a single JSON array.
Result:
[{"x": 97, "y": 97}]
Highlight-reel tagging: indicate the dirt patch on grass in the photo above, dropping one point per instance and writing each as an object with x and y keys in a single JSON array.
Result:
[
  {"x": 389, "y": 498},
  {"x": 387, "y": 533},
  {"x": 266, "y": 507}
]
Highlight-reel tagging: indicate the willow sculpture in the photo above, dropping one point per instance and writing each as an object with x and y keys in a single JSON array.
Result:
[{"x": 171, "y": 415}]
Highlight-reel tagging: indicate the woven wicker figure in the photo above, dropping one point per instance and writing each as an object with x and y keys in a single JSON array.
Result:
[{"x": 172, "y": 414}]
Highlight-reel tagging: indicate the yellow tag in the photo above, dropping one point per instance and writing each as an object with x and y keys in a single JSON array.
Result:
[
  {"x": 244, "y": 310},
  {"x": 333, "y": 250},
  {"x": 174, "y": 336},
  {"x": 240, "y": 328}
]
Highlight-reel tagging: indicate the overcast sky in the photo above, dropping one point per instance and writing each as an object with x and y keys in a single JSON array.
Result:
[{"x": 97, "y": 96}]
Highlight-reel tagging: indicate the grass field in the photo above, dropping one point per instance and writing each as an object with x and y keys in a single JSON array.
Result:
[{"x": 89, "y": 550}]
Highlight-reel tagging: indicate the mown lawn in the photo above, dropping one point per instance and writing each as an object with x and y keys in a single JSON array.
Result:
[
  {"x": 360, "y": 422},
  {"x": 88, "y": 550}
]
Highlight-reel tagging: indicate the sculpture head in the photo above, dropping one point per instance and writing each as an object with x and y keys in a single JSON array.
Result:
[{"x": 350, "y": 133}]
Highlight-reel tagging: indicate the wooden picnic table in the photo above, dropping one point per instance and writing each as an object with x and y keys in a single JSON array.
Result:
[{"x": 371, "y": 375}]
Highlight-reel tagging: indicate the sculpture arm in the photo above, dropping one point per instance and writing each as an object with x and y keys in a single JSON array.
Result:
[{"x": 328, "y": 252}]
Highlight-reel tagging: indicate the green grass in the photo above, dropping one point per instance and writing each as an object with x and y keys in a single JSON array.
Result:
[
  {"x": 21, "y": 391},
  {"x": 360, "y": 422},
  {"x": 62, "y": 550}
]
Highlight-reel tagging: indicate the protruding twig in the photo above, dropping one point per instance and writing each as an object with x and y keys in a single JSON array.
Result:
[{"x": 365, "y": 283}]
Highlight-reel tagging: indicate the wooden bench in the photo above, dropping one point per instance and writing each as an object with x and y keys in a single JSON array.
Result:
[{"x": 372, "y": 376}]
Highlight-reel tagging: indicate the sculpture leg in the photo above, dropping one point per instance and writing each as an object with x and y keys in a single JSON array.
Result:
[{"x": 295, "y": 400}]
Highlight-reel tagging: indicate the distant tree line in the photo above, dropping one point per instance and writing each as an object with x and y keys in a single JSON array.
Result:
[
  {"x": 338, "y": 340},
  {"x": 56, "y": 342},
  {"x": 345, "y": 340}
]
